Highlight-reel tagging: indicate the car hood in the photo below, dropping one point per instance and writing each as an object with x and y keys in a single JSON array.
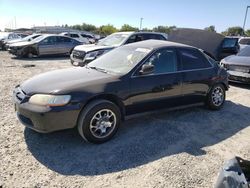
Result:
[
  {"x": 237, "y": 60},
  {"x": 14, "y": 41},
  {"x": 23, "y": 43},
  {"x": 65, "y": 81},
  {"x": 92, "y": 47}
]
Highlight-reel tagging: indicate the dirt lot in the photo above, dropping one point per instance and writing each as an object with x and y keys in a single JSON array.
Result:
[{"x": 183, "y": 148}]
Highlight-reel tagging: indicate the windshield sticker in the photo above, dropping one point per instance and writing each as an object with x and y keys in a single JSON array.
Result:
[{"x": 144, "y": 50}]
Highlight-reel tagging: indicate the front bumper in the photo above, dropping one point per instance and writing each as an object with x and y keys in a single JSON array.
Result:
[
  {"x": 14, "y": 51},
  {"x": 44, "y": 119},
  {"x": 241, "y": 77},
  {"x": 78, "y": 60}
]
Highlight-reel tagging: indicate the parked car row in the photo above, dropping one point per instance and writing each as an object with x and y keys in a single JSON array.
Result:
[{"x": 7, "y": 39}]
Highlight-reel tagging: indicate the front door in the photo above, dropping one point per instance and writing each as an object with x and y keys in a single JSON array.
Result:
[
  {"x": 48, "y": 46},
  {"x": 158, "y": 89}
]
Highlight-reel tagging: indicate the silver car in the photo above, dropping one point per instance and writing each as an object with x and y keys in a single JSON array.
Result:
[{"x": 44, "y": 45}]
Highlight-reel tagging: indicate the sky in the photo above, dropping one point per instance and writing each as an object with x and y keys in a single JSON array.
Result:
[{"x": 181, "y": 13}]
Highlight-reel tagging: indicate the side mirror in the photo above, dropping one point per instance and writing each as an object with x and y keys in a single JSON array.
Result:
[{"x": 146, "y": 69}]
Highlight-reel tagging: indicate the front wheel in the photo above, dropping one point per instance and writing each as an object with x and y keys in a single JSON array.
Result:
[
  {"x": 99, "y": 121},
  {"x": 216, "y": 97}
]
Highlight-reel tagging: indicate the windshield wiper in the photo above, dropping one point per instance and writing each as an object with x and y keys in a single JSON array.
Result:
[{"x": 98, "y": 69}]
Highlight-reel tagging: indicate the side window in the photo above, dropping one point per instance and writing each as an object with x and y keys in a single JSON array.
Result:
[
  {"x": 139, "y": 38},
  {"x": 193, "y": 59},
  {"x": 159, "y": 37},
  {"x": 74, "y": 35},
  {"x": 64, "y": 40},
  {"x": 131, "y": 39},
  {"x": 10, "y": 36},
  {"x": 16, "y": 36},
  {"x": 164, "y": 61},
  {"x": 49, "y": 41}
]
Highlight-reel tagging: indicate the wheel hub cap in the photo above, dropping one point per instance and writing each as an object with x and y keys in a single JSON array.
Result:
[
  {"x": 103, "y": 123},
  {"x": 217, "y": 96}
]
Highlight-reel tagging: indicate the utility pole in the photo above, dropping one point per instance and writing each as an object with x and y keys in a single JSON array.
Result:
[
  {"x": 141, "y": 24},
  {"x": 244, "y": 24},
  {"x": 15, "y": 21}
]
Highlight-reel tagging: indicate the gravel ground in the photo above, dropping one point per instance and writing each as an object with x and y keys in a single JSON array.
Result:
[{"x": 183, "y": 148}]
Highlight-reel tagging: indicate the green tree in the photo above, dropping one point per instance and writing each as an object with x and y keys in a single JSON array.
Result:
[
  {"x": 107, "y": 29},
  {"x": 247, "y": 32},
  {"x": 233, "y": 31},
  {"x": 210, "y": 28},
  {"x": 127, "y": 27},
  {"x": 146, "y": 29},
  {"x": 164, "y": 29},
  {"x": 77, "y": 27},
  {"x": 88, "y": 27}
]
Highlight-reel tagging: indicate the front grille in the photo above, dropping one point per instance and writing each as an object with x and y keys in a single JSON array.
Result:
[
  {"x": 78, "y": 54},
  {"x": 239, "y": 79},
  {"x": 238, "y": 68},
  {"x": 26, "y": 121}
]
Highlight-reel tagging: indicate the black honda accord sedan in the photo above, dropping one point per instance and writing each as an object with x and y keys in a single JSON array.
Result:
[{"x": 135, "y": 78}]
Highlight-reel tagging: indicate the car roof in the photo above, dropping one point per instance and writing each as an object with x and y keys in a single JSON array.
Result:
[
  {"x": 155, "y": 44},
  {"x": 138, "y": 32}
]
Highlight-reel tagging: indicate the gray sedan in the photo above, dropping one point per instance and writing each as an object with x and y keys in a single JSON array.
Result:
[
  {"x": 44, "y": 45},
  {"x": 238, "y": 66}
]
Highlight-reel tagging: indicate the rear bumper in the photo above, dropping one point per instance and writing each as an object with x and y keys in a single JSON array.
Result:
[{"x": 241, "y": 77}]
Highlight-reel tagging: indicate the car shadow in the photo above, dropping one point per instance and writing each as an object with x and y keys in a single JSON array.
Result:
[
  {"x": 46, "y": 58},
  {"x": 139, "y": 141},
  {"x": 241, "y": 85}
]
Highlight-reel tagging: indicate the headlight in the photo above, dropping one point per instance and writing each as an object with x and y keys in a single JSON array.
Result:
[
  {"x": 91, "y": 55},
  {"x": 49, "y": 100}
]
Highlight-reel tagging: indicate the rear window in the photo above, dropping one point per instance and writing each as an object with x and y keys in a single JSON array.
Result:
[
  {"x": 229, "y": 42},
  {"x": 74, "y": 35},
  {"x": 193, "y": 59},
  {"x": 153, "y": 36}
]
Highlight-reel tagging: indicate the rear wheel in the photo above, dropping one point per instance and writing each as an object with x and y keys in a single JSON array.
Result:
[
  {"x": 99, "y": 121},
  {"x": 216, "y": 97}
]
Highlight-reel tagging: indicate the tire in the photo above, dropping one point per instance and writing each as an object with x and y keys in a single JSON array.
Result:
[
  {"x": 27, "y": 53},
  {"x": 216, "y": 97},
  {"x": 93, "y": 123}
]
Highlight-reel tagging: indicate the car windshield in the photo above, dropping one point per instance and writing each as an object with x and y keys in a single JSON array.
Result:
[
  {"x": 120, "y": 60},
  {"x": 245, "y": 52},
  {"x": 3, "y": 35},
  {"x": 229, "y": 42},
  {"x": 114, "y": 39},
  {"x": 245, "y": 41},
  {"x": 38, "y": 39}
]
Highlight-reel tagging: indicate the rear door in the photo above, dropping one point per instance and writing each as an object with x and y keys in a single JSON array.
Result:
[
  {"x": 159, "y": 89},
  {"x": 197, "y": 74},
  {"x": 64, "y": 45}
]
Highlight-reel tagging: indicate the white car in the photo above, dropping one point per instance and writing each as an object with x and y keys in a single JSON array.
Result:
[
  {"x": 7, "y": 36},
  {"x": 25, "y": 39},
  {"x": 244, "y": 42},
  {"x": 83, "y": 54},
  {"x": 77, "y": 36}
]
